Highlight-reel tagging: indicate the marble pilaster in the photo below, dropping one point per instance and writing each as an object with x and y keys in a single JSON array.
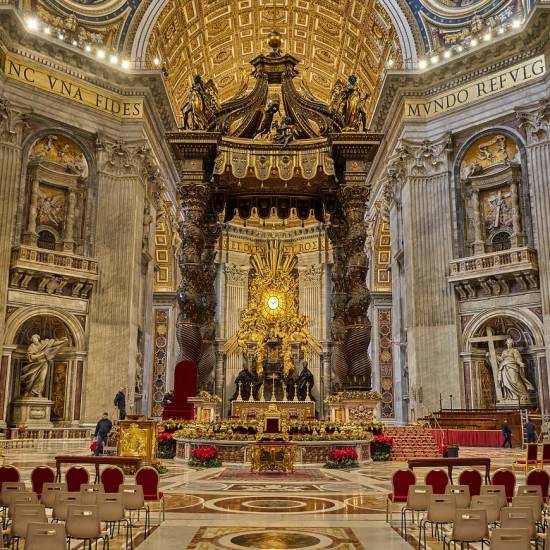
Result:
[
  {"x": 12, "y": 123},
  {"x": 429, "y": 309},
  {"x": 535, "y": 120},
  {"x": 115, "y": 304}
]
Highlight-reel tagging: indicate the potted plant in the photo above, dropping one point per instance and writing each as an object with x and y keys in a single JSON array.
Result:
[
  {"x": 167, "y": 445},
  {"x": 342, "y": 458},
  {"x": 381, "y": 446},
  {"x": 205, "y": 457}
]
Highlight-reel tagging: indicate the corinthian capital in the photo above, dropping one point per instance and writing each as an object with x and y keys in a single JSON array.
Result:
[
  {"x": 12, "y": 123},
  {"x": 424, "y": 158},
  {"x": 121, "y": 159},
  {"x": 535, "y": 120}
]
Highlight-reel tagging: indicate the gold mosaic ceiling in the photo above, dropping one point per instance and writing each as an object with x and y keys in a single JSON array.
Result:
[{"x": 218, "y": 38}]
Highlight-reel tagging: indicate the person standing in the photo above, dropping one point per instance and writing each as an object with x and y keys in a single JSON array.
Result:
[
  {"x": 507, "y": 433},
  {"x": 168, "y": 397},
  {"x": 102, "y": 429},
  {"x": 531, "y": 431},
  {"x": 120, "y": 404}
]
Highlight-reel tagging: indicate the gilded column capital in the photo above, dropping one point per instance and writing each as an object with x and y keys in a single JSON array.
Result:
[
  {"x": 422, "y": 158},
  {"x": 535, "y": 120},
  {"x": 120, "y": 159},
  {"x": 12, "y": 123}
]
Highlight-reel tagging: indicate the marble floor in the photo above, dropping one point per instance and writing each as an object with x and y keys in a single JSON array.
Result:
[{"x": 314, "y": 508}]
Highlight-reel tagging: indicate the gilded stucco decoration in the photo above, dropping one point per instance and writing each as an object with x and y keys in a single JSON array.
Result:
[
  {"x": 273, "y": 309},
  {"x": 382, "y": 257},
  {"x": 217, "y": 39}
]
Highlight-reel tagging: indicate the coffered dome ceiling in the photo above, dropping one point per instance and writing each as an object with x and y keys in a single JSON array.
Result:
[{"x": 218, "y": 38}]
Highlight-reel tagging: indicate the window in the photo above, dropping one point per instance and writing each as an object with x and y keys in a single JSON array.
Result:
[{"x": 46, "y": 239}]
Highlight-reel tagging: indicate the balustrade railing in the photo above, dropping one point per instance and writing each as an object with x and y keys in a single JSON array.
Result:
[
  {"x": 517, "y": 257},
  {"x": 63, "y": 260}
]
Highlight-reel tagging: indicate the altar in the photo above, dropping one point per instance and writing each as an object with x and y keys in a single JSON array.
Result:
[{"x": 296, "y": 410}]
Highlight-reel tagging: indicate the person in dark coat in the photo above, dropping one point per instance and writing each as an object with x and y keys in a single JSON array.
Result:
[
  {"x": 102, "y": 429},
  {"x": 168, "y": 398},
  {"x": 120, "y": 404},
  {"x": 507, "y": 433},
  {"x": 530, "y": 431}
]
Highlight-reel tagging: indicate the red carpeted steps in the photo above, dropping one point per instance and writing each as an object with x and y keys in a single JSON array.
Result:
[{"x": 411, "y": 442}]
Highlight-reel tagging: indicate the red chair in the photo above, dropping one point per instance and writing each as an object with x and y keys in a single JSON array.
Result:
[
  {"x": 149, "y": 479},
  {"x": 507, "y": 478},
  {"x": 75, "y": 477},
  {"x": 541, "y": 478},
  {"x": 39, "y": 476},
  {"x": 545, "y": 457},
  {"x": 530, "y": 458},
  {"x": 8, "y": 473},
  {"x": 473, "y": 479},
  {"x": 112, "y": 478},
  {"x": 401, "y": 481},
  {"x": 438, "y": 479}
]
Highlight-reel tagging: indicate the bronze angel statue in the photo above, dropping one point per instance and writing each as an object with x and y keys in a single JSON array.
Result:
[
  {"x": 347, "y": 101},
  {"x": 202, "y": 104}
]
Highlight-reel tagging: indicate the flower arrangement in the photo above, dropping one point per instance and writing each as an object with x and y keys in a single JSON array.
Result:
[
  {"x": 93, "y": 445},
  {"x": 205, "y": 457},
  {"x": 381, "y": 446},
  {"x": 358, "y": 395},
  {"x": 342, "y": 458},
  {"x": 167, "y": 445},
  {"x": 209, "y": 397},
  {"x": 159, "y": 467}
]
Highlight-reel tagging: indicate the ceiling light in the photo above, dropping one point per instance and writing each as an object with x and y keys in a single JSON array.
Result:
[
  {"x": 125, "y": 64},
  {"x": 32, "y": 23},
  {"x": 474, "y": 42},
  {"x": 101, "y": 54},
  {"x": 459, "y": 49},
  {"x": 434, "y": 59},
  {"x": 88, "y": 48},
  {"x": 61, "y": 36},
  {"x": 447, "y": 54},
  {"x": 390, "y": 62},
  {"x": 113, "y": 59},
  {"x": 422, "y": 63},
  {"x": 487, "y": 36},
  {"x": 516, "y": 23},
  {"x": 75, "y": 43},
  {"x": 156, "y": 61},
  {"x": 501, "y": 30},
  {"x": 47, "y": 30}
]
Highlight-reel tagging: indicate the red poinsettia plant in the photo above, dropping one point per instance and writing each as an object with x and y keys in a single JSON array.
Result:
[
  {"x": 167, "y": 445},
  {"x": 93, "y": 445},
  {"x": 205, "y": 457},
  {"x": 341, "y": 458},
  {"x": 381, "y": 447}
]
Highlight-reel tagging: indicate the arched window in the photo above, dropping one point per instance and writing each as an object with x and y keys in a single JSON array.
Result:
[
  {"x": 501, "y": 241},
  {"x": 46, "y": 239}
]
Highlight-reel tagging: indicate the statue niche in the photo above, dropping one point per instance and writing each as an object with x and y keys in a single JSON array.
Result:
[
  {"x": 57, "y": 179},
  {"x": 44, "y": 364}
]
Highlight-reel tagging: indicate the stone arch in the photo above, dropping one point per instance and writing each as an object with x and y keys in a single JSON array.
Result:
[
  {"x": 525, "y": 205},
  {"x": 525, "y": 316},
  {"x": 21, "y": 316},
  {"x": 400, "y": 22}
]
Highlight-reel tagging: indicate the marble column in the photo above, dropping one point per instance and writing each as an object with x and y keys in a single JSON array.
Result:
[
  {"x": 479, "y": 243},
  {"x": 115, "y": 302},
  {"x": 30, "y": 236},
  {"x": 12, "y": 123},
  {"x": 68, "y": 241},
  {"x": 535, "y": 120},
  {"x": 429, "y": 313}
]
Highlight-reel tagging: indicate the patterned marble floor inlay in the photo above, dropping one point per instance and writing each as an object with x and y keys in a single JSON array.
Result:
[
  {"x": 274, "y": 539},
  {"x": 298, "y": 505},
  {"x": 300, "y": 474}
]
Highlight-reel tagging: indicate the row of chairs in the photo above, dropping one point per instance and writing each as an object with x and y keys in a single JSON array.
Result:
[
  {"x": 22, "y": 508},
  {"x": 534, "y": 459},
  {"x": 439, "y": 480},
  {"x": 112, "y": 478}
]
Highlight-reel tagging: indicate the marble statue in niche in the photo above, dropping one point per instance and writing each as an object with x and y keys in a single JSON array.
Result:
[
  {"x": 511, "y": 373},
  {"x": 40, "y": 354}
]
